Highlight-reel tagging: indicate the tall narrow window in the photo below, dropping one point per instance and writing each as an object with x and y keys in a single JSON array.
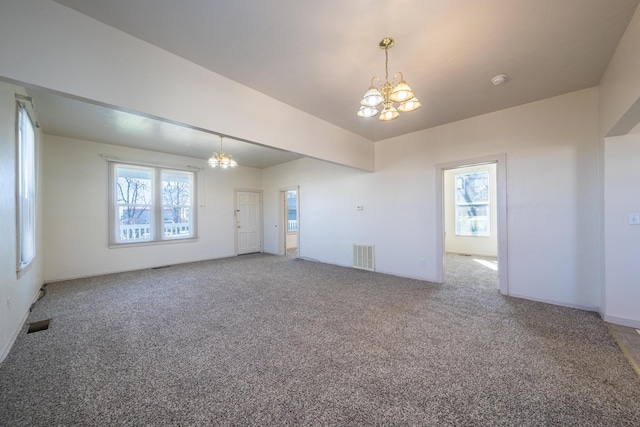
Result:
[
  {"x": 292, "y": 213},
  {"x": 26, "y": 192},
  {"x": 472, "y": 204},
  {"x": 151, "y": 204}
]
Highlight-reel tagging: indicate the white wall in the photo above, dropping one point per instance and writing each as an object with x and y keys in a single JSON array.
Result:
[
  {"x": 620, "y": 113},
  {"x": 16, "y": 292},
  {"x": 54, "y": 47},
  {"x": 551, "y": 151},
  {"x": 469, "y": 245},
  {"x": 328, "y": 221},
  {"x": 620, "y": 84},
  {"x": 551, "y": 148},
  {"x": 622, "y": 241},
  {"x": 76, "y": 204}
]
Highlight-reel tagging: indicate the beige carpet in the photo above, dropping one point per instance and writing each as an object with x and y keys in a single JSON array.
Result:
[{"x": 266, "y": 340}]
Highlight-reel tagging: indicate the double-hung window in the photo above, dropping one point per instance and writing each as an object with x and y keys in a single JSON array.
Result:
[
  {"x": 472, "y": 204},
  {"x": 151, "y": 204},
  {"x": 26, "y": 191}
]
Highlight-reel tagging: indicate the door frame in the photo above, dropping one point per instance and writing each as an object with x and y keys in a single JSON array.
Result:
[
  {"x": 282, "y": 236},
  {"x": 235, "y": 216},
  {"x": 500, "y": 161}
]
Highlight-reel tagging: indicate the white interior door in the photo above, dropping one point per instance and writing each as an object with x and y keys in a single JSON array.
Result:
[{"x": 248, "y": 222}]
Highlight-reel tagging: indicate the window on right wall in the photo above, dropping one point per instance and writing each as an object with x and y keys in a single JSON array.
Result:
[{"x": 472, "y": 204}]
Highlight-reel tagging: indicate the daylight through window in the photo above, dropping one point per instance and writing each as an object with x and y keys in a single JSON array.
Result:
[
  {"x": 26, "y": 192},
  {"x": 151, "y": 204},
  {"x": 472, "y": 204}
]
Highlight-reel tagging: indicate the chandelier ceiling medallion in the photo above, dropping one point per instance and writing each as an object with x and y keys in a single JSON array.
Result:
[
  {"x": 221, "y": 159},
  {"x": 388, "y": 93}
]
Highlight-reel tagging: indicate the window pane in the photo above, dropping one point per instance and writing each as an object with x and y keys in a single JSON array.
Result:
[
  {"x": 472, "y": 220},
  {"x": 472, "y": 187},
  {"x": 133, "y": 185},
  {"x": 292, "y": 213},
  {"x": 178, "y": 229},
  {"x": 472, "y": 204},
  {"x": 134, "y": 196},
  {"x": 134, "y": 224},
  {"x": 177, "y": 187},
  {"x": 27, "y": 188}
]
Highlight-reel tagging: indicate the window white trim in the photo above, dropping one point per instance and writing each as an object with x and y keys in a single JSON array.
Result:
[{"x": 149, "y": 225}]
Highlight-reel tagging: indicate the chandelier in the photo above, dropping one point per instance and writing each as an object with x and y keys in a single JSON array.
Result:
[
  {"x": 222, "y": 160},
  {"x": 388, "y": 93}
]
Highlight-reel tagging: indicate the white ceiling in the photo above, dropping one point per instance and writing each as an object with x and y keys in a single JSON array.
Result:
[
  {"x": 63, "y": 116},
  {"x": 319, "y": 56}
]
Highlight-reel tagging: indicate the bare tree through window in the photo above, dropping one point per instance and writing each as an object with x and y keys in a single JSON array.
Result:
[{"x": 152, "y": 203}]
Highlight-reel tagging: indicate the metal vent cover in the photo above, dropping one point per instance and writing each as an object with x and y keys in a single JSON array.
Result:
[{"x": 364, "y": 256}]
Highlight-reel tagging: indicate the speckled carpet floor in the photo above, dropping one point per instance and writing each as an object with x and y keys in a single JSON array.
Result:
[{"x": 266, "y": 340}]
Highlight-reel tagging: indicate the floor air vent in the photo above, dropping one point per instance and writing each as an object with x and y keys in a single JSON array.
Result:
[
  {"x": 42, "y": 325},
  {"x": 364, "y": 257}
]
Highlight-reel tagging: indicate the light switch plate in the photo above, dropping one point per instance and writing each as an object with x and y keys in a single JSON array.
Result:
[{"x": 634, "y": 219}]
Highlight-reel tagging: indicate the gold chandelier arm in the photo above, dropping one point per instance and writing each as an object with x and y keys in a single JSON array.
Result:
[
  {"x": 398, "y": 91},
  {"x": 396, "y": 75}
]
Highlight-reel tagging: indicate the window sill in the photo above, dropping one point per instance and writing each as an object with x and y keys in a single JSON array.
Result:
[{"x": 152, "y": 243}]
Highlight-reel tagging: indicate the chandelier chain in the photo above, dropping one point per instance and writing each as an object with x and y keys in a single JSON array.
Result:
[{"x": 386, "y": 64}]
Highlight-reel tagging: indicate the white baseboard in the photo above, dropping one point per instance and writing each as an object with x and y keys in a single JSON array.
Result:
[
  {"x": 631, "y": 323},
  {"x": 48, "y": 281},
  {"x": 14, "y": 337},
  {"x": 7, "y": 348},
  {"x": 560, "y": 303}
]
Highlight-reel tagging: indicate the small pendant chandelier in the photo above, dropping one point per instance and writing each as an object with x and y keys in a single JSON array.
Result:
[
  {"x": 388, "y": 93},
  {"x": 221, "y": 159}
]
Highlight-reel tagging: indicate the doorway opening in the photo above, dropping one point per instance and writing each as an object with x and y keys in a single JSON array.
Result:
[
  {"x": 472, "y": 223},
  {"x": 290, "y": 220}
]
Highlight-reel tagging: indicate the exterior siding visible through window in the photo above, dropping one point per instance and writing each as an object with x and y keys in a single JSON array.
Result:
[
  {"x": 151, "y": 204},
  {"x": 26, "y": 191}
]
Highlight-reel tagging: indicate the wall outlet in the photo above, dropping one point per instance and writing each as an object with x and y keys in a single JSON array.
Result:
[
  {"x": 422, "y": 263},
  {"x": 634, "y": 219}
]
